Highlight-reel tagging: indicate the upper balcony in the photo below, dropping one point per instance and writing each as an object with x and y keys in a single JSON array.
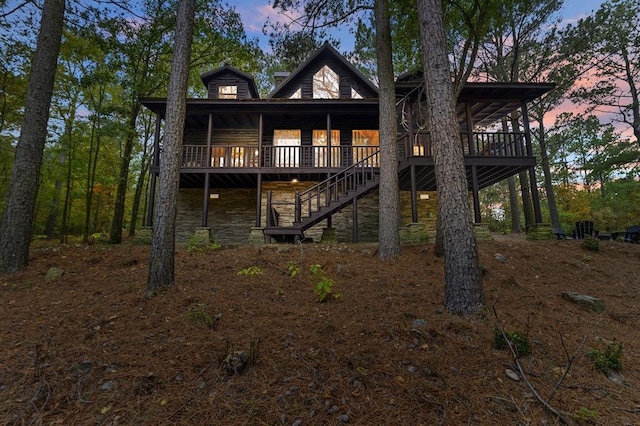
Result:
[{"x": 482, "y": 144}]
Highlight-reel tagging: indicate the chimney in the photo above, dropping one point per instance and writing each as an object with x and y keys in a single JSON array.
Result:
[{"x": 280, "y": 76}]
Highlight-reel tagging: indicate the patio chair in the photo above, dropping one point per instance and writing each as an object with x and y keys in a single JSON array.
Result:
[
  {"x": 584, "y": 228},
  {"x": 633, "y": 234}
]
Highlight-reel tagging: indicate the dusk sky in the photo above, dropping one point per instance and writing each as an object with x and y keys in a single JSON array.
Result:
[{"x": 254, "y": 14}]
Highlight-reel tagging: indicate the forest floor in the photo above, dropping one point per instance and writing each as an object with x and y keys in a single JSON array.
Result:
[{"x": 220, "y": 348}]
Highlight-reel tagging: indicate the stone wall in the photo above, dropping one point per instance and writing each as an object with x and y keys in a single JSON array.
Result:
[{"x": 233, "y": 213}]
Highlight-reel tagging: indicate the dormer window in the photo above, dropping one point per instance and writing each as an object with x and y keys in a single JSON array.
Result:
[
  {"x": 326, "y": 84},
  {"x": 228, "y": 92}
]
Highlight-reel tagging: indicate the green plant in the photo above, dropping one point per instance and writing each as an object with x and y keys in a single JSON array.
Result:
[
  {"x": 591, "y": 244},
  {"x": 251, "y": 271},
  {"x": 196, "y": 245},
  {"x": 583, "y": 413},
  {"x": 609, "y": 359},
  {"x": 293, "y": 268},
  {"x": 200, "y": 316},
  {"x": 324, "y": 285},
  {"x": 519, "y": 341}
]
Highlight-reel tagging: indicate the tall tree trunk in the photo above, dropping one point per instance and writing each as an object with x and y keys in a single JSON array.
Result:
[
  {"x": 115, "y": 236},
  {"x": 546, "y": 170},
  {"x": 514, "y": 206},
  {"x": 140, "y": 184},
  {"x": 17, "y": 220},
  {"x": 161, "y": 263},
  {"x": 52, "y": 217},
  {"x": 389, "y": 200},
  {"x": 527, "y": 204},
  {"x": 94, "y": 151},
  {"x": 463, "y": 282}
]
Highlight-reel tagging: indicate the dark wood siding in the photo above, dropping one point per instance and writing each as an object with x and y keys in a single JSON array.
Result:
[
  {"x": 229, "y": 79},
  {"x": 347, "y": 79}
]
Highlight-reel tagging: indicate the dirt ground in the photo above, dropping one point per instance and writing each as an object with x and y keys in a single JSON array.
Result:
[{"x": 221, "y": 348}]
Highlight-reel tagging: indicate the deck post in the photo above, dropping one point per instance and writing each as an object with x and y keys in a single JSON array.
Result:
[
  {"x": 532, "y": 170},
  {"x": 259, "y": 202},
  {"x": 328, "y": 156},
  {"x": 354, "y": 234},
  {"x": 408, "y": 146},
  {"x": 205, "y": 204},
  {"x": 414, "y": 195},
  {"x": 209, "y": 137},
  {"x": 477, "y": 218},
  {"x": 154, "y": 175},
  {"x": 472, "y": 148}
]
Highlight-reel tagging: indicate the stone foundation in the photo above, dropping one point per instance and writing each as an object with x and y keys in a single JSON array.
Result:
[
  {"x": 482, "y": 232},
  {"x": 540, "y": 231},
  {"x": 329, "y": 235},
  {"x": 143, "y": 236},
  {"x": 413, "y": 233},
  {"x": 201, "y": 236},
  {"x": 256, "y": 236}
]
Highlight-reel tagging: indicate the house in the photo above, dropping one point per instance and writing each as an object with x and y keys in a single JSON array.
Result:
[{"x": 303, "y": 163}]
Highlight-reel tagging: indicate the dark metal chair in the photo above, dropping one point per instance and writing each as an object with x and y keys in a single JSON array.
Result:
[
  {"x": 632, "y": 235},
  {"x": 584, "y": 228}
]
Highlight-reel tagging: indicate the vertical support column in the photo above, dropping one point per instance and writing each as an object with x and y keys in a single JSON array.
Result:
[
  {"x": 154, "y": 175},
  {"x": 472, "y": 147},
  {"x": 414, "y": 196},
  {"x": 259, "y": 202},
  {"x": 408, "y": 149},
  {"x": 259, "y": 195},
  {"x": 205, "y": 201},
  {"x": 328, "y": 156},
  {"x": 532, "y": 170},
  {"x": 354, "y": 232},
  {"x": 477, "y": 218},
  {"x": 209, "y": 137}
]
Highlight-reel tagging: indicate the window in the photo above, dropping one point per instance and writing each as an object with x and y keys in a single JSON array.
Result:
[
  {"x": 320, "y": 151},
  {"x": 355, "y": 94},
  {"x": 326, "y": 84},
  {"x": 365, "y": 143},
  {"x": 228, "y": 92},
  {"x": 286, "y": 151},
  {"x": 297, "y": 94}
]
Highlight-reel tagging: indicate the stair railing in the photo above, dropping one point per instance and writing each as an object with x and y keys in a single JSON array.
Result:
[{"x": 330, "y": 189}]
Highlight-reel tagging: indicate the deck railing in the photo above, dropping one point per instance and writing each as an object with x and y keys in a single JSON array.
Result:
[{"x": 492, "y": 144}]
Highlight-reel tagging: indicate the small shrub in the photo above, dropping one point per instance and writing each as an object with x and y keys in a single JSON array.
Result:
[
  {"x": 293, "y": 268},
  {"x": 609, "y": 359},
  {"x": 583, "y": 413},
  {"x": 324, "y": 286},
  {"x": 591, "y": 244},
  {"x": 251, "y": 271},
  {"x": 199, "y": 315},
  {"x": 519, "y": 341},
  {"x": 196, "y": 246}
]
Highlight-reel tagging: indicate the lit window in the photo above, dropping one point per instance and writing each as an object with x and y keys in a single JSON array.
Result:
[
  {"x": 297, "y": 94},
  {"x": 320, "y": 151},
  {"x": 355, "y": 94},
  {"x": 326, "y": 84},
  {"x": 365, "y": 143},
  {"x": 286, "y": 152},
  {"x": 228, "y": 92}
]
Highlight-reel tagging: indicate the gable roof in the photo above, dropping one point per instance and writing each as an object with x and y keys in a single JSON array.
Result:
[
  {"x": 326, "y": 48},
  {"x": 210, "y": 75}
]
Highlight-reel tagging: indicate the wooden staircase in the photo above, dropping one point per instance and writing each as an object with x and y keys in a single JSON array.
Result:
[{"x": 325, "y": 198}]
